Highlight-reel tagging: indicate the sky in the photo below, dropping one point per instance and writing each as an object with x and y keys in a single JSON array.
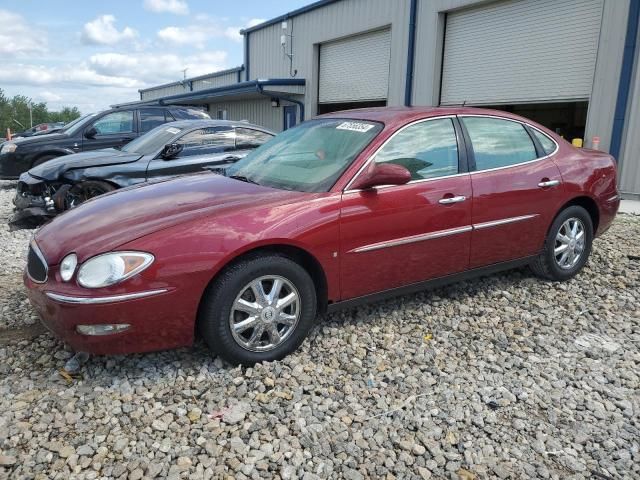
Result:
[{"x": 92, "y": 54}]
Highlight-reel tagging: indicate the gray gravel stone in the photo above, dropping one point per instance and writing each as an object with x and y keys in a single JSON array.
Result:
[{"x": 503, "y": 377}]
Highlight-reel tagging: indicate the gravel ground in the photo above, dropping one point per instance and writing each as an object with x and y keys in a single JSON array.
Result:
[{"x": 503, "y": 377}]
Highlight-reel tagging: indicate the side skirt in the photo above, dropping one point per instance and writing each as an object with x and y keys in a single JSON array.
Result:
[{"x": 430, "y": 284}]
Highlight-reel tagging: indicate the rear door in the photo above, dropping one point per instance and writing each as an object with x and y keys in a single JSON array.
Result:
[
  {"x": 517, "y": 189},
  {"x": 393, "y": 236},
  {"x": 114, "y": 129},
  {"x": 151, "y": 118},
  {"x": 202, "y": 148}
]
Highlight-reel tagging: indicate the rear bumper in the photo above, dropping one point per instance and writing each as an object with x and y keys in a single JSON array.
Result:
[{"x": 608, "y": 209}]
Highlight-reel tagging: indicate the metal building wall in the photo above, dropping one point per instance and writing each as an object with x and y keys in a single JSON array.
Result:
[
  {"x": 629, "y": 174},
  {"x": 333, "y": 21},
  {"x": 431, "y": 21},
  {"x": 164, "y": 91},
  {"x": 257, "y": 110},
  {"x": 213, "y": 81}
]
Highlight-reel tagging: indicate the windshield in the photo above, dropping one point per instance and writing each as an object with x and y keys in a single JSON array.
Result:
[
  {"x": 153, "y": 141},
  {"x": 74, "y": 126},
  {"x": 309, "y": 157}
]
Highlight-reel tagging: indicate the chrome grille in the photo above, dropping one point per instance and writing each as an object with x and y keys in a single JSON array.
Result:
[{"x": 37, "y": 268}]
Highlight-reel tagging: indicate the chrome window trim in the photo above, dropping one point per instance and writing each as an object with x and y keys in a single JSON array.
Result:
[
  {"x": 413, "y": 182},
  {"x": 373, "y": 155},
  {"x": 412, "y": 239},
  {"x": 440, "y": 233},
  {"x": 503, "y": 221},
  {"x": 98, "y": 300},
  {"x": 40, "y": 255},
  {"x": 497, "y": 117}
]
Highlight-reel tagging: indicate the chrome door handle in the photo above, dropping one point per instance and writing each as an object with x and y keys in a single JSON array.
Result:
[
  {"x": 549, "y": 183},
  {"x": 449, "y": 200}
]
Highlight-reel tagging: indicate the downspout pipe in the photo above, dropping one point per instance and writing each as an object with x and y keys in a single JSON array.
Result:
[
  {"x": 408, "y": 86},
  {"x": 625, "y": 79},
  {"x": 279, "y": 96},
  {"x": 246, "y": 55}
]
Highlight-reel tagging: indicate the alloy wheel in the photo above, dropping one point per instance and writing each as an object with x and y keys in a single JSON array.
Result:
[
  {"x": 570, "y": 243},
  {"x": 265, "y": 313}
]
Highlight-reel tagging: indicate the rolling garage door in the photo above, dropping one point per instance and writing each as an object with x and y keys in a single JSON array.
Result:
[
  {"x": 521, "y": 52},
  {"x": 355, "y": 69}
]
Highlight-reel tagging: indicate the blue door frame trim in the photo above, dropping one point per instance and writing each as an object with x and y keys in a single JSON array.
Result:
[
  {"x": 625, "y": 78},
  {"x": 408, "y": 86}
]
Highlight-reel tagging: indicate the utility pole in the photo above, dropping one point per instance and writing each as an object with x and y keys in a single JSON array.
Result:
[
  {"x": 30, "y": 103},
  {"x": 184, "y": 73}
]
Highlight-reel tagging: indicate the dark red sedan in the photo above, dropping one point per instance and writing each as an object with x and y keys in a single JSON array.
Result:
[{"x": 346, "y": 208}]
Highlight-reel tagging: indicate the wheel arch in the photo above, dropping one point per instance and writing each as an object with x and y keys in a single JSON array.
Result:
[
  {"x": 586, "y": 202},
  {"x": 49, "y": 153},
  {"x": 296, "y": 253}
]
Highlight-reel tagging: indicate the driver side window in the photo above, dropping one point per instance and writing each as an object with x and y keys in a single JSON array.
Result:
[
  {"x": 207, "y": 140},
  {"x": 427, "y": 149},
  {"x": 114, "y": 123}
]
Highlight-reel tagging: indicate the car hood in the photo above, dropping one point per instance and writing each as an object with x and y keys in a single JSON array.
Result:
[
  {"x": 38, "y": 139},
  {"x": 111, "y": 220},
  {"x": 53, "y": 169}
]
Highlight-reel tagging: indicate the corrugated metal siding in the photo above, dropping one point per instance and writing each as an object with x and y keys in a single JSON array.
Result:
[
  {"x": 214, "y": 81},
  {"x": 258, "y": 111},
  {"x": 521, "y": 51},
  {"x": 630, "y": 153},
  {"x": 164, "y": 91},
  {"x": 334, "y": 21},
  {"x": 343, "y": 64}
]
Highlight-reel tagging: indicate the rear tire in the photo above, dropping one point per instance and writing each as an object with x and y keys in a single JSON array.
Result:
[
  {"x": 260, "y": 309},
  {"x": 567, "y": 246}
]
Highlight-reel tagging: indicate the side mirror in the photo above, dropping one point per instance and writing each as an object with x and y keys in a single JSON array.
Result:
[
  {"x": 382, "y": 174},
  {"x": 90, "y": 132},
  {"x": 171, "y": 150}
]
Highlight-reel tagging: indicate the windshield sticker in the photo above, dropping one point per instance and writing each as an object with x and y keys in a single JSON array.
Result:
[
  {"x": 173, "y": 131},
  {"x": 355, "y": 126}
]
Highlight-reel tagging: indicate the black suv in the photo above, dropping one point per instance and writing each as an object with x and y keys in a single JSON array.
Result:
[{"x": 111, "y": 128}]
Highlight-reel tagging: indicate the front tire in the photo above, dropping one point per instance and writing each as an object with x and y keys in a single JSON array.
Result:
[
  {"x": 567, "y": 246},
  {"x": 86, "y": 190},
  {"x": 260, "y": 309}
]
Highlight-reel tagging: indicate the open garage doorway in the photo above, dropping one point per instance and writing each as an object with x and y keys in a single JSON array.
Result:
[
  {"x": 335, "y": 107},
  {"x": 567, "y": 119}
]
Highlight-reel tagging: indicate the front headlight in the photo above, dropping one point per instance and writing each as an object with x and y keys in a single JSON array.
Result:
[
  {"x": 111, "y": 268},
  {"x": 8, "y": 147}
]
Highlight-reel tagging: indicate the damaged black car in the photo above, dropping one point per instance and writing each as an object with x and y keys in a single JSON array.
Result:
[{"x": 171, "y": 149}]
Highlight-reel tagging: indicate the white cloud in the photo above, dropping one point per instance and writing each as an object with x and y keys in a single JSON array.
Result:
[
  {"x": 179, "y": 7},
  {"x": 48, "y": 96},
  {"x": 17, "y": 37},
  {"x": 205, "y": 29},
  {"x": 102, "y": 31},
  {"x": 155, "y": 69}
]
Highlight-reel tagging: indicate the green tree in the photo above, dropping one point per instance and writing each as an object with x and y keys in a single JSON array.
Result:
[{"x": 14, "y": 113}]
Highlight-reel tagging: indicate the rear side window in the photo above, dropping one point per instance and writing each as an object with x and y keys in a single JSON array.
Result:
[
  {"x": 151, "y": 118},
  {"x": 249, "y": 138},
  {"x": 548, "y": 145},
  {"x": 498, "y": 143},
  {"x": 427, "y": 149}
]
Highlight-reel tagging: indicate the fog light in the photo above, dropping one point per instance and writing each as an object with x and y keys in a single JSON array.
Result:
[
  {"x": 102, "y": 329},
  {"x": 68, "y": 267}
]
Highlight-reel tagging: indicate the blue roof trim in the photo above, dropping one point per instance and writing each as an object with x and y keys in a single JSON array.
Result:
[
  {"x": 625, "y": 78},
  {"x": 233, "y": 89},
  {"x": 293, "y": 13}
]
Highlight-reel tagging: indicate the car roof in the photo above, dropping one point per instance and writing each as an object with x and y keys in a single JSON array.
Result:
[
  {"x": 199, "y": 123},
  {"x": 394, "y": 115}
]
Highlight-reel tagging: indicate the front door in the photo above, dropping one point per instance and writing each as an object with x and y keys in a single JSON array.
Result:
[
  {"x": 114, "y": 129},
  {"x": 397, "y": 235},
  {"x": 517, "y": 190}
]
